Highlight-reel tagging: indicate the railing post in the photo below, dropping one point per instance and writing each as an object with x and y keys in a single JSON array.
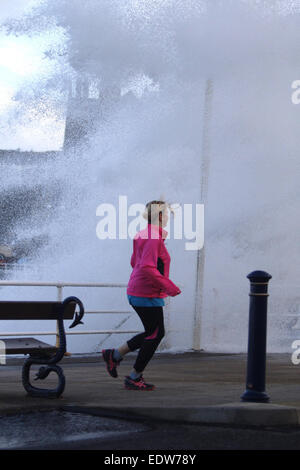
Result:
[
  {"x": 59, "y": 299},
  {"x": 257, "y": 338}
]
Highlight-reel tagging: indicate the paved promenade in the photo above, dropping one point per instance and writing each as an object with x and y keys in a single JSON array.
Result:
[{"x": 190, "y": 387}]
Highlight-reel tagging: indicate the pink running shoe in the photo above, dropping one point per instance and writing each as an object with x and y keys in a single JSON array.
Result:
[
  {"x": 111, "y": 364},
  {"x": 138, "y": 384}
]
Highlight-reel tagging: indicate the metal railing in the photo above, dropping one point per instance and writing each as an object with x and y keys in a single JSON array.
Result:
[{"x": 59, "y": 286}]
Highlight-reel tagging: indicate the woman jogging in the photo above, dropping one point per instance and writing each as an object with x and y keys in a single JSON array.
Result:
[{"x": 148, "y": 285}]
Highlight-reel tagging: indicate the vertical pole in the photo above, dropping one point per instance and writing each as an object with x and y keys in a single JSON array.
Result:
[
  {"x": 257, "y": 338},
  {"x": 165, "y": 344},
  {"x": 59, "y": 299},
  {"x": 203, "y": 197}
]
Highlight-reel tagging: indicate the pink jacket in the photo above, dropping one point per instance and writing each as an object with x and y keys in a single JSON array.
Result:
[{"x": 145, "y": 279}]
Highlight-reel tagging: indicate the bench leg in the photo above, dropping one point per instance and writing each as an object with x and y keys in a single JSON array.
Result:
[
  {"x": 50, "y": 364},
  {"x": 43, "y": 372}
]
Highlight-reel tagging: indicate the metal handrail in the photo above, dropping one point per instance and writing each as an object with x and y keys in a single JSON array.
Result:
[
  {"x": 49, "y": 333},
  {"x": 60, "y": 285}
]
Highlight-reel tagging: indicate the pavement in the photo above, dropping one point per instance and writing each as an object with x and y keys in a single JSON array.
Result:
[{"x": 191, "y": 387}]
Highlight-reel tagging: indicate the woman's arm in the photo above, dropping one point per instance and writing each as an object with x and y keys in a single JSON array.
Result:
[{"x": 149, "y": 267}]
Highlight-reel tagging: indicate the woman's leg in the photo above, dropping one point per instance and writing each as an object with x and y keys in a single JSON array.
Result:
[
  {"x": 147, "y": 342},
  {"x": 121, "y": 351},
  {"x": 124, "y": 349}
]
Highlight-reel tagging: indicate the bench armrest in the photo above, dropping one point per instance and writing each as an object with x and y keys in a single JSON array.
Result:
[{"x": 78, "y": 317}]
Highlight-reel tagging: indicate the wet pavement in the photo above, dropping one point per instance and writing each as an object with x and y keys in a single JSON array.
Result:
[
  {"x": 196, "y": 405},
  {"x": 41, "y": 429}
]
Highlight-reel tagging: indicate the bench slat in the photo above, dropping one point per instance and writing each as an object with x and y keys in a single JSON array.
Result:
[
  {"x": 37, "y": 310},
  {"x": 26, "y": 346}
]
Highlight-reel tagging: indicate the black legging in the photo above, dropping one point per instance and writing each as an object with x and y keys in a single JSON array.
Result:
[{"x": 147, "y": 342}]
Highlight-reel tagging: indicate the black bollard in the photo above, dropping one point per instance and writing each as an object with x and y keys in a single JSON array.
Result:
[{"x": 257, "y": 338}]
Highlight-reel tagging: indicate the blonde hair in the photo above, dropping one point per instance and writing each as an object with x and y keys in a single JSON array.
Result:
[{"x": 154, "y": 208}]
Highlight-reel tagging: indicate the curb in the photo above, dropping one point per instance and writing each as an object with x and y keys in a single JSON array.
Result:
[{"x": 238, "y": 414}]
